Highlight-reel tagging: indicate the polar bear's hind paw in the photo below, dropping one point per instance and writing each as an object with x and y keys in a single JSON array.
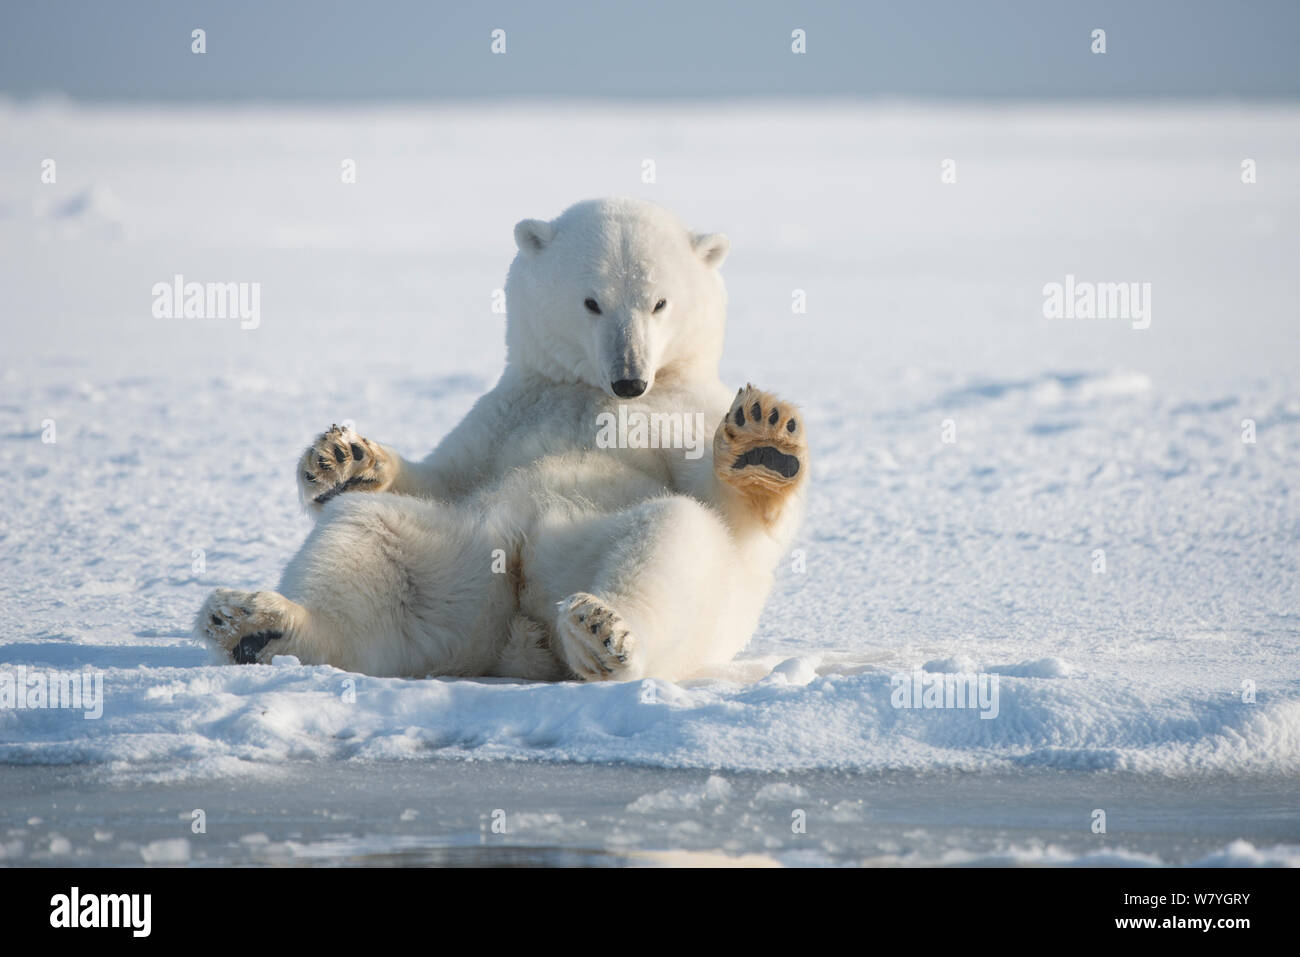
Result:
[
  {"x": 594, "y": 640},
  {"x": 241, "y": 624}
]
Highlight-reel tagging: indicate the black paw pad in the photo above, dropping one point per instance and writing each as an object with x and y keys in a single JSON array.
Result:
[
  {"x": 245, "y": 653},
  {"x": 769, "y": 458}
]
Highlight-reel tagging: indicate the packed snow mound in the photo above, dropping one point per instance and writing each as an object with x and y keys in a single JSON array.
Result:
[{"x": 179, "y": 721}]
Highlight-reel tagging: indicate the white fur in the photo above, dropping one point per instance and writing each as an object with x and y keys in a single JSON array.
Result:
[{"x": 402, "y": 581}]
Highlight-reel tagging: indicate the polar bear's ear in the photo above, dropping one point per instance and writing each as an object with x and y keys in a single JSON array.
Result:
[
  {"x": 712, "y": 248},
  {"x": 531, "y": 235}
]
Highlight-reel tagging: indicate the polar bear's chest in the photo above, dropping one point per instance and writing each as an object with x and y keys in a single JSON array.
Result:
[
  {"x": 604, "y": 442},
  {"x": 583, "y": 447}
]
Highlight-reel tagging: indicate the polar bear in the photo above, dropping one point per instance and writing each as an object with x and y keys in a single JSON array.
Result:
[{"x": 524, "y": 546}]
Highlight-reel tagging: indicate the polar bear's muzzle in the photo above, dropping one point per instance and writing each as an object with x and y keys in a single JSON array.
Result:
[{"x": 627, "y": 354}]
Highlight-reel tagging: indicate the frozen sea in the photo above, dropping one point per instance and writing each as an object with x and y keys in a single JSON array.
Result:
[{"x": 1075, "y": 506}]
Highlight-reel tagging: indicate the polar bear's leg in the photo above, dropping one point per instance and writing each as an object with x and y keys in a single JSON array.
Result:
[
  {"x": 386, "y": 585},
  {"x": 653, "y": 590},
  {"x": 251, "y": 626}
]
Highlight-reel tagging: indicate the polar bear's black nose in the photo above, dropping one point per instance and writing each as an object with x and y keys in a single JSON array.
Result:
[{"x": 629, "y": 388}]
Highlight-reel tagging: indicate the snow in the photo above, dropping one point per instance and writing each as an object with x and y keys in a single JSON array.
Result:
[
  {"x": 173, "y": 851},
  {"x": 201, "y": 720},
  {"x": 171, "y": 473}
]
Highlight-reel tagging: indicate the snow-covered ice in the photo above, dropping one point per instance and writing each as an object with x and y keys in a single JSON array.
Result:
[{"x": 924, "y": 321}]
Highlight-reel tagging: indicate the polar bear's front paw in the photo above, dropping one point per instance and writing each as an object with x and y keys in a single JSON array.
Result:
[
  {"x": 760, "y": 450},
  {"x": 594, "y": 641},
  {"x": 341, "y": 461},
  {"x": 245, "y": 625}
]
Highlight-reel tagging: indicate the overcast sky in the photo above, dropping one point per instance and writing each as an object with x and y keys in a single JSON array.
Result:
[{"x": 404, "y": 49}]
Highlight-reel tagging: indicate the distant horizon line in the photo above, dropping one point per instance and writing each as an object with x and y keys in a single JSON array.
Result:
[{"x": 58, "y": 97}]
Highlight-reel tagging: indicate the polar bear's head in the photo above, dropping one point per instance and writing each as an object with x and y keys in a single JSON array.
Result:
[{"x": 617, "y": 294}]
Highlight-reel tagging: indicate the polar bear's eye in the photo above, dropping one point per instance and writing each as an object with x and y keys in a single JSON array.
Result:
[
  {"x": 592, "y": 306},
  {"x": 659, "y": 306}
]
